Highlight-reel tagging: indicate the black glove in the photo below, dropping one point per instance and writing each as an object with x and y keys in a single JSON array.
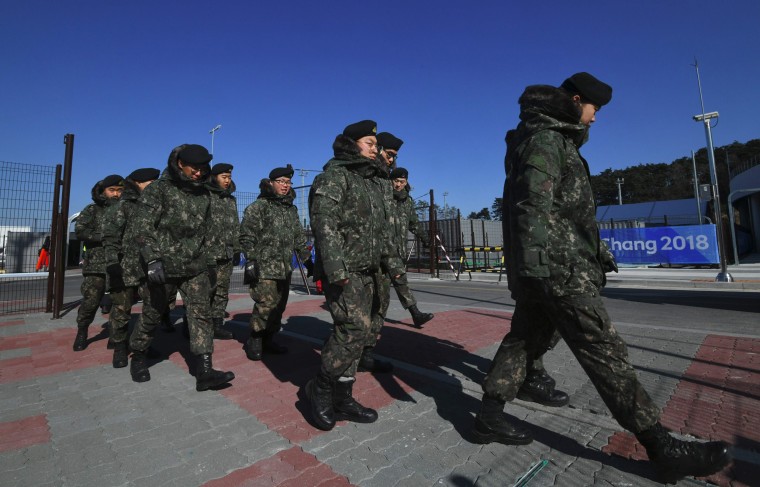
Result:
[
  {"x": 156, "y": 274},
  {"x": 236, "y": 258},
  {"x": 609, "y": 264},
  {"x": 309, "y": 264},
  {"x": 251, "y": 274},
  {"x": 212, "y": 277},
  {"x": 115, "y": 276}
]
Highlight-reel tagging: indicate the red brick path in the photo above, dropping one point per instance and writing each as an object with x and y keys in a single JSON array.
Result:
[{"x": 718, "y": 398}]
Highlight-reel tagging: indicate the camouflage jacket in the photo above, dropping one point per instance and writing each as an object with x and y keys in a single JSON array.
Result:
[
  {"x": 549, "y": 215},
  {"x": 405, "y": 221},
  {"x": 270, "y": 232},
  {"x": 171, "y": 222},
  {"x": 89, "y": 229},
  {"x": 224, "y": 225},
  {"x": 119, "y": 236},
  {"x": 351, "y": 213}
]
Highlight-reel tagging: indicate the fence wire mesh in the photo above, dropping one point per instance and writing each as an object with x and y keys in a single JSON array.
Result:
[{"x": 26, "y": 209}]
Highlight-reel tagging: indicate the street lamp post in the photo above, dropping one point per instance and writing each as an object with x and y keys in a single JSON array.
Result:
[
  {"x": 723, "y": 275},
  {"x": 445, "y": 208},
  {"x": 619, "y": 183},
  {"x": 303, "y": 173},
  {"x": 212, "y": 132}
]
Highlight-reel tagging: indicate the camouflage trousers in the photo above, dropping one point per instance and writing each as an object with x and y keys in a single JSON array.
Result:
[
  {"x": 221, "y": 295},
  {"x": 583, "y": 323},
  {"x": 405, "y": 296},
  {"x": 352, "y": 307},
  {"x": 93, "y": 288},
  {"x": 384, "y": 293},
  {"x": 195, "y": 292},
  {"x": 378, "y": 318},
  {"x": 121, "y": 311},
  {"x": 270, "y": 297}
]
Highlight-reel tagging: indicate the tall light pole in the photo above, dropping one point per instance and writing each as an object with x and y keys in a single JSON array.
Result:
[
  {"x": 303, "y": 173},
  {"x": 696, "y": 189},
  {"x": 445, "y": 208},
  {"x": 619, "y": 183},
  {"x": 212, "y": 132},
  {"x": 723, "y": 275}
]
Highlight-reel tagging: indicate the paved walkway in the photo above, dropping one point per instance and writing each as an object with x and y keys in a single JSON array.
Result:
[{"x": 68, "y": 418}]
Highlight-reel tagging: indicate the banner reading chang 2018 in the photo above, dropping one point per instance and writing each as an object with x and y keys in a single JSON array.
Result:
[{"x": 689, "y": 244}]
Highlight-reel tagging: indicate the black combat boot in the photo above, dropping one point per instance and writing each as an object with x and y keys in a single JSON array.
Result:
[
  {"x": 539, "y": 387},
  {"x": 120, "y": 355},
  {"x": 491, "y": 425},
  {"x": 167, "y": 323},
  {"x": 185, "y": 327},
  {"x": 220, "y": 332},
  {"x": 138, "y": 368},
  {"x": 418, "y": 317},
  {"x": 110, "y": 345},
  {"x": 675, "y": 459},
  {"x": 254, "y": 346},
  {"x": 80, "y": 341},
  {"x": 319, "y": 391},
  {"x": 345, "y": 406},
  {"x": 206, "y": 377},
  {"x": 271, "y": 346},
  {"x": 368, "y": 363}
]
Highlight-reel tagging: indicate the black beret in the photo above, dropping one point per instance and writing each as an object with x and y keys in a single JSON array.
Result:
[
  {"x": 112, "y": 180},
  {"x": 221, "y": 168},
  {"x": 144, "y": 174},
  {"x": 589, "y": 88},
  {"x": 195, "y": 155},
  {"x": 360, "y": 129},
  {"x": 399, "y": 172},
  {"x": 279, "y": 172},
  {"x": 389, "y": 141}
]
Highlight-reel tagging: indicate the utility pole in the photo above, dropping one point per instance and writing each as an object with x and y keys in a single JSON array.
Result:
[
  {"x": 696, "y": 189},
  {"x": 212, "y": 132},
  {"x": 445, "y": 208},
  {"x": 303, "y": 173},
  {"x": 619, "y": 183},
  {"x": 723, "y": 275}
]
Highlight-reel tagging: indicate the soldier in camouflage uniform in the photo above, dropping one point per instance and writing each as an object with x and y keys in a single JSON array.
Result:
[
  {"x": 225, "y": 245},
  {"x": 171, "y": 232},
  {"x": 399, "y": 221},
  {"x": 89, "y": 229},
  {"x": 350, "y": 208},
  {"x": 269, "y": 234},
  {"x": 556, "y": 267},
  {"x": 125, "y": 274},
  {"x": 406, "y": 220}
]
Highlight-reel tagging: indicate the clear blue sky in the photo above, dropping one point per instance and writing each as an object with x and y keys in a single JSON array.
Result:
[{"x": 134, "y": 79}]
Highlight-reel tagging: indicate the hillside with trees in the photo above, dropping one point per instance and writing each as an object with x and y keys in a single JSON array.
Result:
[{"x": 662, "y": 182}]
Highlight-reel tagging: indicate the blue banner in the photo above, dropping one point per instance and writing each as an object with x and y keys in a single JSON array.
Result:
[{"x": 688, "y": 244}]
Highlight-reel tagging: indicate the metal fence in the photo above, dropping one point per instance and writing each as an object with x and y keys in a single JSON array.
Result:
[{"x": 26, "y": 214}]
